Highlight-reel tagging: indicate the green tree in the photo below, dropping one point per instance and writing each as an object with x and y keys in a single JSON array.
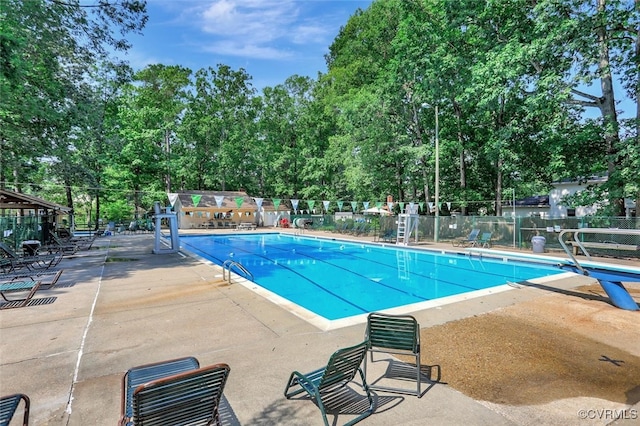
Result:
[
  {"x": 47, "y": 49},
  {"x": 580, "y": 46},
  {"x": 218, "y": 131}
]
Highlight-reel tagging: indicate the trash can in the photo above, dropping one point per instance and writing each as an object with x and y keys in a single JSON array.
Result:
[
  {"x": 538, "y": 244},
  {"x": 30, "y": 247}
]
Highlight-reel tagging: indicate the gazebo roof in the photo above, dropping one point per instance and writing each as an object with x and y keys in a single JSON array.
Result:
[{"x": 18, "y": 201}]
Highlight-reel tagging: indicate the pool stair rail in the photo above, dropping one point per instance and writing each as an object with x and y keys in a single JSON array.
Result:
[
  {"x": 610, "y": 279},
  {"x": 229, "y": 264}
]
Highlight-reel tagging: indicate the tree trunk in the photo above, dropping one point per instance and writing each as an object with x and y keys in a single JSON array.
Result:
[
  {"x": 607, "y": 106},
  {"x": 167, "y": 146},
  {"x": 420, "y": 142},
  {"x": 462, "y": 165},
  {"x": 67, "y": 192},
  {"x": 97, "y": 209},
  {"x": 499, "y": 189}
]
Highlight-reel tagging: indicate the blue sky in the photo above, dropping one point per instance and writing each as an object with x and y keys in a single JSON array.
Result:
[{"x": 270, "y": 39}]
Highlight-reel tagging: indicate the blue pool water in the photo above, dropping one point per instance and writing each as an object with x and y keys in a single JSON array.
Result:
[{"x": 337, "y": 279}]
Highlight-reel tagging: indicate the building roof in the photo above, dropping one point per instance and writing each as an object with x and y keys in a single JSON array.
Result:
[
  {"x": 533, "y": 201},
  {"x": 587, "y": 180},
  {"x": 18, "y": 201}
]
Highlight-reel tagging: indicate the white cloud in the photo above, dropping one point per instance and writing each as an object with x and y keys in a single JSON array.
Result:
[
  {"x": 259, "y": 21},
  {"x": 308, "y": 33},
  {"x": 233, "y": 48},
  {"x": 250, "y": 29},
  {"x": 257, "y": 28}
]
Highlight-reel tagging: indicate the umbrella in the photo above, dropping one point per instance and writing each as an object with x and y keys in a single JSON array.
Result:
[{"x": 376, "y": 210}]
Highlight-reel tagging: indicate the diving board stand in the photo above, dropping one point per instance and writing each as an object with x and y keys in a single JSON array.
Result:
[
  {"x": 158, "y": 247},
  {"x": 610, "y": 280}
]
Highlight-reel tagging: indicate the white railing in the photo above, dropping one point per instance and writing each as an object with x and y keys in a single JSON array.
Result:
[{"x": 582, "y": 245}]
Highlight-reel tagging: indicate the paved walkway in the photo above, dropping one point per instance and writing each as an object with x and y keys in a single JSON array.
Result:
[{"x": 118, "y": 306}]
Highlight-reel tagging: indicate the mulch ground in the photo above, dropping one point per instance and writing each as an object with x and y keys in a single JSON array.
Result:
[{"x": 554, "y": 347}]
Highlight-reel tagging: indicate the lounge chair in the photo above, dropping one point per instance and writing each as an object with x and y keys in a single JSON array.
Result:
[
  {"x": 83, "y": 243},
  {"x": 483, "y": 241},
  {"x": 18, "y": 286},
  {"x": 394, "y": 334},
  {"x": 13, "y": 261},
  {"x": 51, "y": 275},
  {"x": 322, "y": 383},
  {"x": 9, "y": 405},
  {"x": 173, "y": 392},
  {"x": 470, "y": 240},
  {"x": 59, "y": 246},
  {"x": 389, "y": 236}
]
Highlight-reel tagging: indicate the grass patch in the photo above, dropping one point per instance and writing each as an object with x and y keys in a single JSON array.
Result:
[{"x": 120, "y": 259}]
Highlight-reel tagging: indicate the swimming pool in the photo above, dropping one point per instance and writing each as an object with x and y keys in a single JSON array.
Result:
[{"x": 338, "y": 279}]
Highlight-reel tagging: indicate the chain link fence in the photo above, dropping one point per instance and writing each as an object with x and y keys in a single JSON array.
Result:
[{"x": 505, "y": 232}]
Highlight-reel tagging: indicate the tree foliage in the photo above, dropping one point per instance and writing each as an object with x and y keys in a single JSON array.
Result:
[{"x": 504, "y": 86}]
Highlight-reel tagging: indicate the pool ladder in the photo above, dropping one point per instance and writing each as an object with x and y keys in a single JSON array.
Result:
[{"x": 228, "y": 264}]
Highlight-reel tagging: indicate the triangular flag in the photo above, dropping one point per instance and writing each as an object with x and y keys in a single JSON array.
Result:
[
  {"x": 172, "y": 198},
  {"x": 196, "y": 199},
  {"x": 294, "y": 204},
  {"x": 421, "y": 204},
  {"x": 239, "y": 201},
  {"x": 401, "y": 205},
  {"x": 390, "y": 205},
  {"x": 449, "y": 205},
  {"x": 326, "y": 206},
  {"x": 354, "y": 206},
  {"x": 340, "y": 204},
  {"x": 259, "y": 202},
  {"x": 366, "y": 205},
  {"x": 311, "y": 203},
  {"x": 276, "y": 202},
  {"x": 379, "y": 204},
  {"x": 219, "y": 200}
]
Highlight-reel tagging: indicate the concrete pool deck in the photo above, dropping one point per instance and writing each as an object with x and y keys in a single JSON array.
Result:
[{"x": 119, "y": 306}]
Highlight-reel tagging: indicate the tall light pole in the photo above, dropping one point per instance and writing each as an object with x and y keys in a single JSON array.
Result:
[{"x": 436, "y": 230}]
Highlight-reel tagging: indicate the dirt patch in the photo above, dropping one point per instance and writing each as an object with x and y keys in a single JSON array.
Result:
[{"x": 554, "y": 347}]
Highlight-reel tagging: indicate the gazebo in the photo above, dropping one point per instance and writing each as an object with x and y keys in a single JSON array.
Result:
[{"x": 25, "y": 217}]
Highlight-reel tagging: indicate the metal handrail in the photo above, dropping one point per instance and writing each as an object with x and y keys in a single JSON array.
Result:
[
  {"x": 228, "y": 264},
  {"x": 576, "y": 240}
]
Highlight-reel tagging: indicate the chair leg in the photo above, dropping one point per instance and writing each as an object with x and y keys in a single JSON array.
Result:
[
  {"x": 418, "y": 374},
  {"x": 322, "y": 410}
]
